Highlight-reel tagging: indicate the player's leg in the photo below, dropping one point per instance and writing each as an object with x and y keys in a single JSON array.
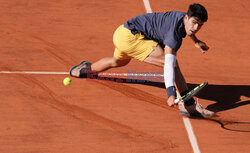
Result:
[
  {"x": 180, "y": 81},
  {"x": 81, "y": 70},
  {"x": 122, "y": 40},
  {"x": 157, "y": 57},
  {"x": 107, "y": 63}
]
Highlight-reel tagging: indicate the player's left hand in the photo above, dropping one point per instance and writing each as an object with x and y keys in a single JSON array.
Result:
[{"x": 202, "y": 46}]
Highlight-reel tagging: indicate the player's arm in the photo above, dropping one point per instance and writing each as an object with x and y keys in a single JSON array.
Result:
[
  {"x": 199, "y": 44},
  {"x": 169, "y": 78},
  {"x": 169, "y": 74}
]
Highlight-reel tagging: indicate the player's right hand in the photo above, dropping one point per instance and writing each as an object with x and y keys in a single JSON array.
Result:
[
  {"x": 171, "y": 101},
  {"x": 202, "y": 46}
]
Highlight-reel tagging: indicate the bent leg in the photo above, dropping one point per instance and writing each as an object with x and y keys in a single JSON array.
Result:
[
  {"x": 157, "y": 57},
  {"x": 180, "y": 81},
  {"x": 107, "y": 63},
  {"x": 81, "y": 70}
]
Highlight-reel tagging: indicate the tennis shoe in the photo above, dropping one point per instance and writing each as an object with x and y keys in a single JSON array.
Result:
[
  {"x": 194, "y": 110},
  {"x": 81, "y": 70}
]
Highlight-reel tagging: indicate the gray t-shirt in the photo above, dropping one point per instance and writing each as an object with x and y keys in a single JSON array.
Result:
[{"x": 165, "y": 28}]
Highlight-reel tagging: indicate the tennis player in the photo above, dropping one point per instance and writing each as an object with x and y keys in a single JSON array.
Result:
[{"x": 155, "y": 38}]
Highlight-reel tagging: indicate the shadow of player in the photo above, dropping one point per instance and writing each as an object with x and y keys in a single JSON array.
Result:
[{"x": 225, "y": 96}]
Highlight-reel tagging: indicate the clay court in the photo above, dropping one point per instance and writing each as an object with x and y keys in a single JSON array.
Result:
[{"x": 38, "y": 114}]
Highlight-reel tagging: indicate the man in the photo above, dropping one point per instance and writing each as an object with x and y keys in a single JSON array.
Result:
[{"x": 155, "y": 38}]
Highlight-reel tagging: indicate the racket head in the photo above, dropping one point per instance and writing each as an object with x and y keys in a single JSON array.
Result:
[{"x": 193, "y": 92}]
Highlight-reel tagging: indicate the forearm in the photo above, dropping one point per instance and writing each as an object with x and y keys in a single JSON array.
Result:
[
  {"x": 169, "y": 74},
  {"x": 194, "y": 38},
  {"x": 199, "y": 44}
]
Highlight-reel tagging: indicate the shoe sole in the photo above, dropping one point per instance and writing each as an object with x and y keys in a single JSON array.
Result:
[
  {"x": 185, "y": 113},
  {"x": 207, "y": 116},
  {"x": 196, "y": 114}
]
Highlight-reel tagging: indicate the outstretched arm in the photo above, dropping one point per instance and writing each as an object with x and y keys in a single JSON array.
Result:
[
  {"x": 169, "y": 74},
  {"x": 199, "y": 44},
  {"x": 173, "y": 76}
]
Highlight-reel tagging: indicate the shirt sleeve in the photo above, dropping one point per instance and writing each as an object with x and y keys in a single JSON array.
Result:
[{"x": 172, "y": 40}]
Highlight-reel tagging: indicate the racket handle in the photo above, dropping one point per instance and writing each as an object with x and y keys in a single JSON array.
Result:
[{"x": 177, "y": 100}]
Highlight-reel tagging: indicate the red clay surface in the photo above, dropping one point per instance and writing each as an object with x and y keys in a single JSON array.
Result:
[{"x": 39, "y": 114}]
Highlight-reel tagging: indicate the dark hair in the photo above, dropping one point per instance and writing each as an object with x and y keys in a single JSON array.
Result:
[{"x": 197, "y": 10}]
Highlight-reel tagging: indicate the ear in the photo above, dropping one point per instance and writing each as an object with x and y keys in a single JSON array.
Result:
[{"x": 186, "y": 18}]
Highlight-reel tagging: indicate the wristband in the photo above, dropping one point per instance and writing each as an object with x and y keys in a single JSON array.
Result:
[{"x": 171, "y": 91}]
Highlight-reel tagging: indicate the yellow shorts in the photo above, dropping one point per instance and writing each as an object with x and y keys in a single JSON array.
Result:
[{"x": 129, "y": 46}]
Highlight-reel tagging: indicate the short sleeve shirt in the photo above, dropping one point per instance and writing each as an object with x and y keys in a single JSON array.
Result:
[{"x": 165, "y": 28}]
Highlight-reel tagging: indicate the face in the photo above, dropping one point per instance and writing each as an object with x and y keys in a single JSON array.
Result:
[{"x": 192, "y": 25}]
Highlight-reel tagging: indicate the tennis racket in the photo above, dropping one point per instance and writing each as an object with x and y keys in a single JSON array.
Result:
[{"x": 191, "y": 93}]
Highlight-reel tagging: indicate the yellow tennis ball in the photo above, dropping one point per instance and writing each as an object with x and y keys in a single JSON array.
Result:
[{"x": 67, "y": 81}]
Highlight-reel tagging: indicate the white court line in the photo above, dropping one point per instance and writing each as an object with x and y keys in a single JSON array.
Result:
[
  {"x": 99, "y": 74},
  {"x": 31, "y": 72},
  {"x": 191, "y": 135},
  {"x": 187, "y": 122},
  {"x": 147, "y": 6}
]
